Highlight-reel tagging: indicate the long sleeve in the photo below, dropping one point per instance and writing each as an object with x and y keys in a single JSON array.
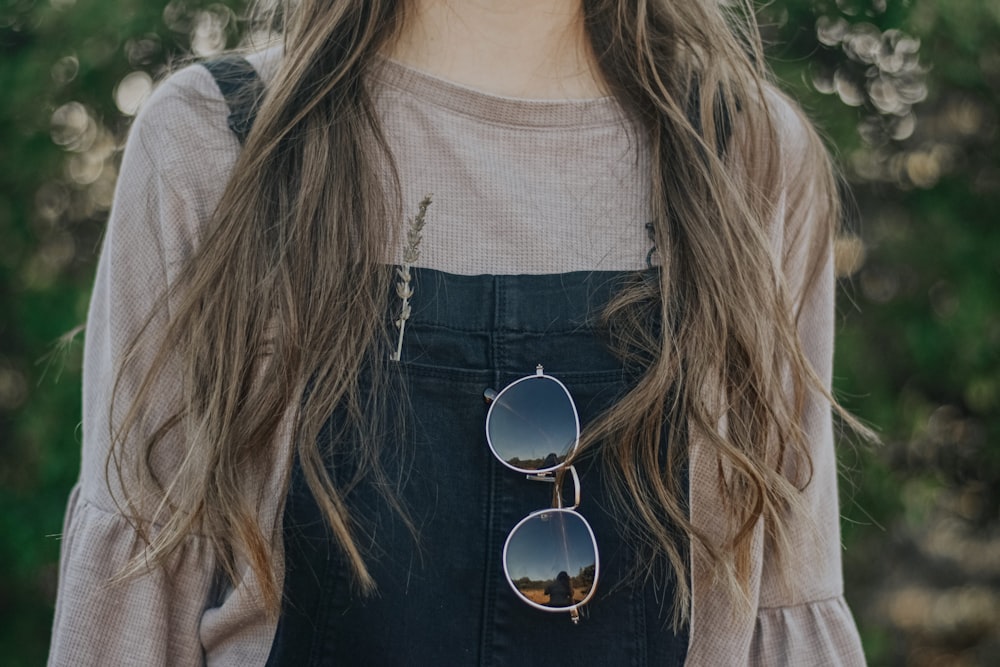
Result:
[
  {"x": 802, "y": 617},
  {"x": 796, "y": 614},
  {"x": 172, "y": 173}
]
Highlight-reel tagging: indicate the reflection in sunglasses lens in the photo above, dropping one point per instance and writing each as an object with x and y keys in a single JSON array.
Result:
[
  {"x": 551, "y": 559},
  {"x": 533, "y": 425}
]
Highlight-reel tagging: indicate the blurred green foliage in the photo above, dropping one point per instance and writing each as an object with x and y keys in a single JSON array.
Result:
[{"x": 906, "y": 92}]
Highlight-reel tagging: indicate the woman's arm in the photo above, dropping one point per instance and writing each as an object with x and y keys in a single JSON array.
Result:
[
  {"x": 802, "y": 616},
  {"x": 794, "y": 613},
  {"x": 175, "y": 165}
]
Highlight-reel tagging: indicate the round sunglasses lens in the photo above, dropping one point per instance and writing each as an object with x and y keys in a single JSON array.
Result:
[
  {"x": 551, "y": 559},
  {"x": 532, "y": 425}
]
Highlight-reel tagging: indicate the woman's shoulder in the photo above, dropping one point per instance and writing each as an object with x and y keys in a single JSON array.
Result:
[
  {"x": 802, "y": 152},
  {"x": 180, "y": 153},
  {"x": 183, "y": 126}
]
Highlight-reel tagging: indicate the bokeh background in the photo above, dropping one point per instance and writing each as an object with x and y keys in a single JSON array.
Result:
[{"x": 906, "y": 91}]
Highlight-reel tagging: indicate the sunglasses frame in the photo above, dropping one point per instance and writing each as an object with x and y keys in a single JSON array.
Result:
[
  {"x": 494, "y": 400},
  {"x": 574, "y": 609},
  {"x": 550, "y": 474}
]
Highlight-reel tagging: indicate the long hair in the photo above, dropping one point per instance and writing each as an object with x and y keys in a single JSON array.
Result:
[{"x": 284, "y": 299}]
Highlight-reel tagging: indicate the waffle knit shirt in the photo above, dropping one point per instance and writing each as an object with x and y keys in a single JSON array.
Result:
[{"x": 520, "y": 186}]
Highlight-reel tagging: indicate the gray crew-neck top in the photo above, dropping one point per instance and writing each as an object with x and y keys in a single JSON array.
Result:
[{"x": 520, "y": 186}]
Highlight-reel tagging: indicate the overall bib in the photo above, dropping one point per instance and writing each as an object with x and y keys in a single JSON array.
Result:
[{"x": 443, "y": 599}]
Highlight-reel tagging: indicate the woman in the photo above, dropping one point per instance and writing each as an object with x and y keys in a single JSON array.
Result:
[{"x": 296, "y": 338}]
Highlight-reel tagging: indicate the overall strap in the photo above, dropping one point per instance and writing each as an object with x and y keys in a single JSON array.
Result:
[{"x": 242, "y": 88}]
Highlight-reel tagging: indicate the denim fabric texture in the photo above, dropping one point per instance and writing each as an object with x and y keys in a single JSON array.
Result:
[{"x": 444, "y": 600}]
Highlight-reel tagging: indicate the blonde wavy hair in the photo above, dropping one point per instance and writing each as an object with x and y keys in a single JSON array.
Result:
[{"x": 289, "y": 285}]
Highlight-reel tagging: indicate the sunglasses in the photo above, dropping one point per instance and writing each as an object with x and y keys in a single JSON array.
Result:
[{"x": 550, "y": 557}]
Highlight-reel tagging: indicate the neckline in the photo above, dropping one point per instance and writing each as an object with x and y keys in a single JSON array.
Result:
[{"x": 497, "y": 109}]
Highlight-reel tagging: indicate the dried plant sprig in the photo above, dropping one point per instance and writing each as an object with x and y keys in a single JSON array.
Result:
[{"x": 411, "y": 253}]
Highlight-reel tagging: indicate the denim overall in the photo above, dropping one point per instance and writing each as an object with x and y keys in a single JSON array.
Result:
[{"x": 443, "y": 599}]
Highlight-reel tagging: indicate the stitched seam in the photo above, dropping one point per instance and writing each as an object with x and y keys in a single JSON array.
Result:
[
  {"x": 810, "y": 603},
  {"x": 581, "y": 328},
  {"x": 568, "y": 129},
  {"x": 84, "y": 504}
]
